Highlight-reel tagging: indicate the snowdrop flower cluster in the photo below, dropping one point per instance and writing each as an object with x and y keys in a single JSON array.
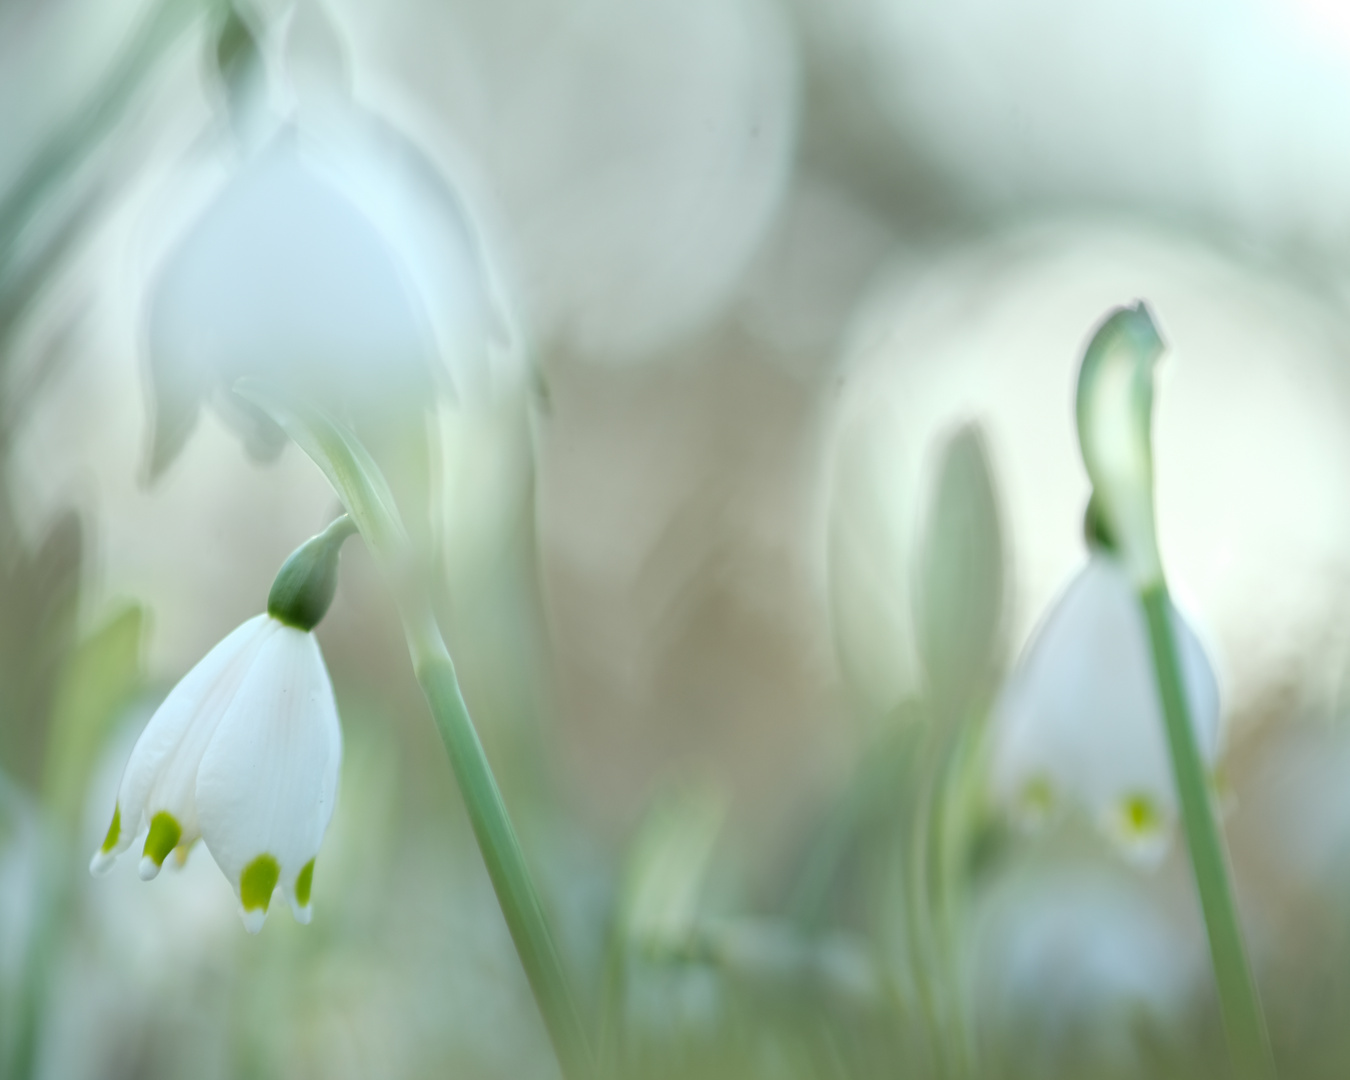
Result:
[{"x": 244, "y": 752}]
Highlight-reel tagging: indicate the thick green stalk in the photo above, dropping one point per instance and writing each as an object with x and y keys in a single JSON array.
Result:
[
  {"x": 500, "y": 848},
  {"x": 1243, "y": 1021}
]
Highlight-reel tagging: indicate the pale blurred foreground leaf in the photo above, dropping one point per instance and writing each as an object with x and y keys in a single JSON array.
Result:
[
  {"x": 99, "y": 680},
  {"x": 958, "y": 608}
]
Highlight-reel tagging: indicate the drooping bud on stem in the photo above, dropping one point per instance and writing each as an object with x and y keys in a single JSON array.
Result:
[
  {"x": 306, "y": 582},
  {"x": 1115, "y": 432}
]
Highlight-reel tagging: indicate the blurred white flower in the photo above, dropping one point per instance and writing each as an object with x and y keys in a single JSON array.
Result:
[
  {"x": 244, "y": 754},
  {"x": 1068, "y": 948},
  {"x": 1254, "y": 426},
  {"x": 335, "y": 259},
  {"x": 1080, "y": 719}
]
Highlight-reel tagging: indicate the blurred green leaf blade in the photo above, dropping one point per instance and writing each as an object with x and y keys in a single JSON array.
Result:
[
  {"x": 100, "y": 679},
  {"x": 959, "y": 594}
]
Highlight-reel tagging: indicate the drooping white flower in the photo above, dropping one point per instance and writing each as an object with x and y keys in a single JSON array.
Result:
[
  {"x": 1066, "y": 947},
  {"x": 1080, "y": 719},
  {"x": 243, "y": 754},
  {"x": 333, "y": 258}
]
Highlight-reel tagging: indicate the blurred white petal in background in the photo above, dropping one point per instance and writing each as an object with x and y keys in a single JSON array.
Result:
[
  {"x": 1236, "y": 115},
  {"x": 1075, "y": 959},
  {"x": 1080, "y": 719},
  {"x": 637, "y": 151}
]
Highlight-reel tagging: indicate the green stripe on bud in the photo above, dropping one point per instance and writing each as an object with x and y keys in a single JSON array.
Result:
[
  {"x": 257, "y": 882},
  {"x": 306, "y": 582}
]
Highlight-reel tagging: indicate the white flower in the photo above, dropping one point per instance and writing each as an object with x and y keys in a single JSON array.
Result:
[
  {"x": 335, "y": 260},
  {"x": 244, "y": 754},
  {"x": 1081, "y": 718},
  {"x": 1067, "y": 948}
]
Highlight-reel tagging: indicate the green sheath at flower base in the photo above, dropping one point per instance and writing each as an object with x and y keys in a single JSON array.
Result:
[
  {"x": 1115, "y": 432},
  {"x": 306, "y": 582}
]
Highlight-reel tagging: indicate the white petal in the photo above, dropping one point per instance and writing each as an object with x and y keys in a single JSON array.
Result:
[
  {"x": 268, "y": 779},
  {"x": 1083, "y": 710},
  {"x": 161, "y": 772}
]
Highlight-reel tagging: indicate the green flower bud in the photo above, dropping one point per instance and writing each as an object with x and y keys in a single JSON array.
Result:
[
  {"x": 306, "y": 582},
  {"x": 1096, "y": 533},
  {"x": 1115, "y": 431}
]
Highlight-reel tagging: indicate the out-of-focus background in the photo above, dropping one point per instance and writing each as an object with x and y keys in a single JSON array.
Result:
[{"x": 675, "y": 324}]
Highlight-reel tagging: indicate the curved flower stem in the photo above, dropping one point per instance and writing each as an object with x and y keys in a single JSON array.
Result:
[
  {"x": 366, "y": 495},
  {"x": 1248, "y": 1041},
  {"x": 497, "y": 840}
]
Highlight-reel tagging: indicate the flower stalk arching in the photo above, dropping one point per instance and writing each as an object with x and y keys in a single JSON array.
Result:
[
  {"x": 1115, "y": 422},
  {"x": 362, "y": 488}
]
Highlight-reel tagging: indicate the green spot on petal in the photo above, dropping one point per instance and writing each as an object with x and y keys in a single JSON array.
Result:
[
  {"x": 114, "y": 830},
  {"x": 165, "y": 833},
  {"x": 304, "y": 883},
  {"x": 1037, "y": 799},
  {"x": 257, "y": 882},
  {"x": 1140, "y": 816}
]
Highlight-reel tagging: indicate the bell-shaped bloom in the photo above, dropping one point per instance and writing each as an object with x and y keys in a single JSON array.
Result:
[
  {"x": 336, "y": 261},
  {"x": 243, "y": 754},
  {"x": 1080, "y": 720}
]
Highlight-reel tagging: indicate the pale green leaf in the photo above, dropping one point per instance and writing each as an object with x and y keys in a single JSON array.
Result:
[{"x": 958, "y": 610}]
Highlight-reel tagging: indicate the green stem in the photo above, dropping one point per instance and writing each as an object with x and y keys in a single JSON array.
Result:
[
  {"x": 949, "y": 839},
  {"x": 613, "y": 997},
  {"x": 1243, "y": 1021},
  {"x": 501, "y": 851},
  {"x": 365, "y": 493}
]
